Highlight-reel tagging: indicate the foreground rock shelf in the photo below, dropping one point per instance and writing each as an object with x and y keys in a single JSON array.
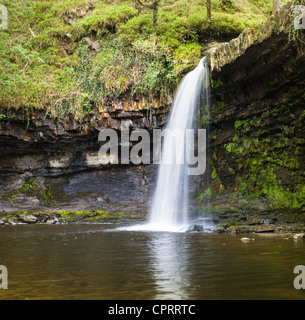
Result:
[{"x": 64, "y": 217}]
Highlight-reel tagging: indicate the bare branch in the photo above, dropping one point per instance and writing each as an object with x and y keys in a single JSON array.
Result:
[{"x": 32, "y": 32}]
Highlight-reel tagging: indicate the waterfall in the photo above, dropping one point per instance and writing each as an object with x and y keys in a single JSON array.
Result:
[{"x": 169, "y": 209}]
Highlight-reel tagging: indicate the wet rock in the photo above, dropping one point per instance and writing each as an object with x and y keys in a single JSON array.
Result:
[
  {"x": 54, "y": 220},
  {"x": 29, "y": 219},
  {"x": 299, "y": 236},
  {"x": 32, "y": 201},
  {"x": 254, "y": 222},
  {"x": 265, "y": 230},
  {"x": 197, "y": 227},
  {"x": 236, "y": 231},
  {"x": 12, "y": 221}
]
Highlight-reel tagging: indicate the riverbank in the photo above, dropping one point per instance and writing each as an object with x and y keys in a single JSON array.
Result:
[
  {"x": 243, "y": 215},
  {"x": 65, "y": 217},
  {"x": 225, "y": 219}
]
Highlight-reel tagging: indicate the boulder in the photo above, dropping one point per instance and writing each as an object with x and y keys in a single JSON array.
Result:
[
  {"x": 29, "y": 218},
  {"x": 299, "y": 236}
]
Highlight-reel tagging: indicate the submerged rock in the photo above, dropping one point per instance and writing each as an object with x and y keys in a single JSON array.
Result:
[{"x": 246, "y": 240}]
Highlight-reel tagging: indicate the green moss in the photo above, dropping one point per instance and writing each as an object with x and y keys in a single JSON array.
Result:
[
  {"x": 186, "y": 57},
  {"x": 137, "y": 27},
  {"x": 206, "y": 194},
  {"x": 40, "y": 49},
  {"x": 215, "y": 176},
  {"x": 97, "y": 215},
  {"x": 70, "y": 216},
  {"x": 215, "y": 83},
  {"x": 105, "y": 18},
  {"x": 234, "y": 228},
  {"x": 269, "y": 162},
  {"x": 33, "y": 189}
]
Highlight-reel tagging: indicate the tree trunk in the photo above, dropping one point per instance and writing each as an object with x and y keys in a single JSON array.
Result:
[
  {"x": 209, "y": 13},
  {"x": 275, "y": 5},
  {"x": 155, "y": 8},
  {"x": 154, "y": 5}
]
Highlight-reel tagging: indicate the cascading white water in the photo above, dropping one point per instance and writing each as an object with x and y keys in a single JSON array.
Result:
[
  {"x": 169, "y": 211},
  {"x": 170, "y": 203}
]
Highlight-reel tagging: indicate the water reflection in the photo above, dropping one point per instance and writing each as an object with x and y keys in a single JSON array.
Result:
[{"x": 170, "y": 260}]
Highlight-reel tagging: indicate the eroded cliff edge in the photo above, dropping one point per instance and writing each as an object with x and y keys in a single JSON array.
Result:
[
  {"x": 256, "y": 158},
  {"x": 257, "y": 120}
]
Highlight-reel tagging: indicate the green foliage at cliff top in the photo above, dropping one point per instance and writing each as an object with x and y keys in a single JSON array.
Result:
[{"x": 65, "y": 57}]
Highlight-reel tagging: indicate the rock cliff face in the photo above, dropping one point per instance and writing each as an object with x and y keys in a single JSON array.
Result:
[
  {"x": 257, "y": 140},
  {"x": 257, "y": 116},
  {"x": 53, "y": 163}
]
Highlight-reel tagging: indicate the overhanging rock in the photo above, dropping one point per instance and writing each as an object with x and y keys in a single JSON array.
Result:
[
  {"x": 257, "y": 138},
  {"x": 259, "y": 64},
  {"x": 263, "y": 40}
]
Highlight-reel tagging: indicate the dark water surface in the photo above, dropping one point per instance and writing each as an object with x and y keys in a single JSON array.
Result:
[{"x": 96, "y": 261}]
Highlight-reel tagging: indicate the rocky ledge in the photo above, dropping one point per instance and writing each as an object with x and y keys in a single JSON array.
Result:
[{"x": 64, "y": 217}]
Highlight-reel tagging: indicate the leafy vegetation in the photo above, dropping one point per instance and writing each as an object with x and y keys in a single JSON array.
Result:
[
  {"x": 65, "y": 57},
  {"x": 270, "y": 163}
]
